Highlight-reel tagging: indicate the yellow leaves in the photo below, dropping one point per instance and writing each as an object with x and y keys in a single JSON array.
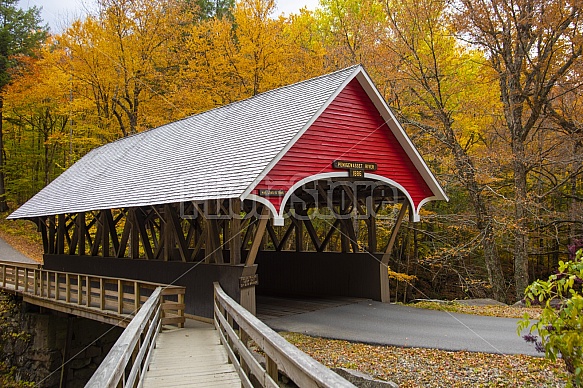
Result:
[
  {"x": 401, "y": 277},
  {"x": 415, "y": 367},
  {"x": 232, "y": 60},
  {"x": 120, "y": 61}
]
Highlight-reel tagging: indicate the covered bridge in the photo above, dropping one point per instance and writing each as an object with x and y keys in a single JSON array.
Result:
[{"x": 281, "y": 193}]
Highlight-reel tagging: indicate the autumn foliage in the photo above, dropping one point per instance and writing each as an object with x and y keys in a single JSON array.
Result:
[{"x": 488, "y": 91}]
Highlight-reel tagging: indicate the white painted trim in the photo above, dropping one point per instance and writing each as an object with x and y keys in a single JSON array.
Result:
[
  {"x": 276, "y": 219},
  {"x": 392, "y": 123},
  {"x": 426, "y": 200},
  {"x": 279, "y": 217},
  {"x": 358, "y": 69},
  {"x": 398, "y": 186},
  {"x": 400, "y": 134},
  {"x": 341, "y": 174},
  {"x": 311, "y": 178}
]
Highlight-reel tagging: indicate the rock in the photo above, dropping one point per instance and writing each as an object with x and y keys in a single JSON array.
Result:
[
  {"x": 79, "y": 363},
  {"x": 363, "y": 380},
  {"x": 431, "y": 300}
]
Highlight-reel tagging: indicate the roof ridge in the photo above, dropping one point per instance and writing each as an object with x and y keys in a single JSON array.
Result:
[
  {"x": 122, "y": 173},
  {"x": 267, "y": 92},
  {"x": 348, "y": 69}
]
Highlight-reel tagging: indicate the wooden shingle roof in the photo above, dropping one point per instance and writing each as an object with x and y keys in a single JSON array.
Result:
[{"x": 221, "y": 153}]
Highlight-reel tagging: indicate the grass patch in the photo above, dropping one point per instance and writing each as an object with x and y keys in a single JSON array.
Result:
[{"x": 492, "y": 311}]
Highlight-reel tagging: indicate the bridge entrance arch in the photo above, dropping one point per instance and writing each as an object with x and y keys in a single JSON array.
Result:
[{"x": 287, "y": 191}]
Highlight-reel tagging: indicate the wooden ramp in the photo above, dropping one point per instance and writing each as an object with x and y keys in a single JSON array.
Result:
[{"x": 190, "y": 357}]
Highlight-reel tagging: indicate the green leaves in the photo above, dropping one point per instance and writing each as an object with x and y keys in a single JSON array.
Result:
[{"x": 561, "y": 323}]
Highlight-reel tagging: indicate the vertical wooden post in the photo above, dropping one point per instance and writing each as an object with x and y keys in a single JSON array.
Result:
[
  {"x": 56, "y": 286},
  {"x": 43, "y": 230},
  {"x": 36, "y": 274},
  {"x": 25, "y": 279},
  {"x": 119, "y": 297},
  {"x": 61, "y": 230},
  {"x": 181, "y": 311},
  {"x": 166, "y": 234},
  {"x": 88, "y": 287},
  {"x": 81, "y": 231},
  {"x": 136, "y": 297},
  {"x": 51, "y": 225},
  {"x": 245, "y": 340},
  {"x": 134, "y": 234},
  {"x": 67, "y": 288},
  {"x": 212, "y": 250},
  {"x": 101, "y": 294},
  {"x": 79, "y": 290},
  {"x": 385, "y": 291},
  {"x": 271, "y": 368},
  {"x": 105, "y": 233},
  {"x": 248, "y": 293},
  {"x": 41, "y": 283},
  {"x": 235, "y": 232}
]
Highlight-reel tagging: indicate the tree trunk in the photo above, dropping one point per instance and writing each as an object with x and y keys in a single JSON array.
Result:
[
  {"x": 574, "y": 216},
  {"x": 466, "y": 171},
  {"x": 3, "y": 204},
  {"x": 521, "y": 215},
  {"x": 491, "y": 257}
]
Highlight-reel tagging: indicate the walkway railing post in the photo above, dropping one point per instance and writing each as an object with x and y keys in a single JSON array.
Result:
[
  {"x": 101, "y": 294},
  {"x": 119, "y": 297},
  {"x": 136, "y": 296},
  {"x": 79, "y": 290},
  {"x": 26, "y": 280},
  {"x": 36, "y": 275},
  {"x": 56, "y": 286},
  {"x": 15, "y": 272},
  {"x": 67, "y": 288},
  {"x": 88, "y": 288}
]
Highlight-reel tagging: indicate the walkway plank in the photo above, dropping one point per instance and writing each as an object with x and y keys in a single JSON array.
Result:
[{"x": 191, "y": 356}]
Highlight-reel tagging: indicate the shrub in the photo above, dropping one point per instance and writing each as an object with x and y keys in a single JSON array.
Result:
[{"x": 560, "y": 326}]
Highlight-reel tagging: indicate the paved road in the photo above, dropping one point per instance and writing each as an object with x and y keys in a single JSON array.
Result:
[
  {"x": 390, "y": 324},
  {"x": 7, "y": 253}
]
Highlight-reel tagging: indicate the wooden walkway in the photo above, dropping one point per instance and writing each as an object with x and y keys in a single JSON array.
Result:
[{"x": 190, "y": 357}]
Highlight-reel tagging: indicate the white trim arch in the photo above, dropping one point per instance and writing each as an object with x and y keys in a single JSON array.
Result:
[
  {"x": 422, "y": 203},
  {"x": 278, "y": 217}
]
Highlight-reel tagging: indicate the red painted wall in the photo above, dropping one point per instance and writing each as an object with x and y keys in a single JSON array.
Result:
[{"x": 350, "y": 129}]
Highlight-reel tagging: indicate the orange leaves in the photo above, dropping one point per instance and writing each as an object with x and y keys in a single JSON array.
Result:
[{"x": 414, "y": 367}]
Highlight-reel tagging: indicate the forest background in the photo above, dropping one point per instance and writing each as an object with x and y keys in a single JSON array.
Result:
[{"x": 488, "y": 90}]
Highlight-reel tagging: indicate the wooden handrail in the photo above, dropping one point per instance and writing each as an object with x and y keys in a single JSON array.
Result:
[
  {"x": 131, "y": 348},
  {"x": 114, "y": 299},
  {"x": 279, "y": 354}
]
